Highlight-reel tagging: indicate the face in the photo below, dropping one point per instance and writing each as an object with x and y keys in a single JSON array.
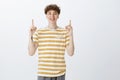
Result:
[{"x": 52, "y": 16}]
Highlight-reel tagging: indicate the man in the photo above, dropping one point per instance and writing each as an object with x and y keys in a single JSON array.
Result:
[{"x": 51, "y": 42}]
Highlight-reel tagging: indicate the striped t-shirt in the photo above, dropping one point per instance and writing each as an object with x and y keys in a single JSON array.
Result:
[{"x": 51, "y": 49}]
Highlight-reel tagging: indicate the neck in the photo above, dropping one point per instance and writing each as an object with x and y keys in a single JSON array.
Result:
[{"x": 52, "y": 26}]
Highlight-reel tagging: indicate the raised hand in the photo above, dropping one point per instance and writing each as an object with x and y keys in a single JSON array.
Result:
[
  {"x": 69, "y": 28},
  {"x": 32, "y": 28}
]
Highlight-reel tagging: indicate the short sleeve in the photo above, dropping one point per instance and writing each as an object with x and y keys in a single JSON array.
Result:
[
  {"x": 35, "y": 37},
  {"x": 67, "y": 39}
]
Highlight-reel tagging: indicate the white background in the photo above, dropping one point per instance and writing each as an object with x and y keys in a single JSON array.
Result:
[{"x": 96, "y": 25}]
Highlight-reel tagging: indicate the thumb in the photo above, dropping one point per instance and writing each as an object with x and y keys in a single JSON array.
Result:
[{"x": 32, "y": 22}]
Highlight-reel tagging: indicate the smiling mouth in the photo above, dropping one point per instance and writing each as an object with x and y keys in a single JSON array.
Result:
[{"x": 52, "y": 19}]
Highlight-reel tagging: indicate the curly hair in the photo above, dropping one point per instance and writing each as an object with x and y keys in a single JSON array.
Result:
[{"x": 52, "y": 7}]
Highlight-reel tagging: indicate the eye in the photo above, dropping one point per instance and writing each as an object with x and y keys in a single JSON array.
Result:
[
  {"x": 55, "y": 13},
  {"x": 52, "y": 13},
  {"x": 49, "y": 13}
]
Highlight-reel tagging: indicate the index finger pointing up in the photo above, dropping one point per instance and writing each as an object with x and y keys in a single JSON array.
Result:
[
  {"x": 70, "y": 22},
  {"x": 32, "y": 22}
]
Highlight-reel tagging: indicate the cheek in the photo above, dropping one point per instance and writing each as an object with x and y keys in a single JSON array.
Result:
[
  {"x": 47, "y": 16},
  {"x": 57, "y": 16}
]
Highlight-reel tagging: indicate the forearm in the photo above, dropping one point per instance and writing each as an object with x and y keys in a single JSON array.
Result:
[
  {"x": 70, "y": 47},
  {"x": 31, "y": 47}
]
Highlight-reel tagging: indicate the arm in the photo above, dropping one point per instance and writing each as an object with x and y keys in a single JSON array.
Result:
[
  {"x": 70, "y": 46},
  {"x": 32, "y": 47}
]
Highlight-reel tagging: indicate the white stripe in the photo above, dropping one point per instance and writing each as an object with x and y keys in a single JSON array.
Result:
[
  {"x": 56, "y": 47},
  {"x": 51, "y": 39},
  {"x": 57, "y": 55},
  {"x": 51, "y": 59},
  {"x": 62, "y": 32},
  {"x": 49, "y": 67},
  {"x": 43, "y": 55},
  {"x": 53, "y": 47},
  {"x": 52, "y": 35},
  {"x": 50, "y": 51},
  {"x": 35, "y": 40},
  {"x": 51, "y": 63},
  {"x": 55, "y": 75},
  {"x": 52, "y": 54},
  {"x": 55, "y": 38},
  {"x": 48, "y": 71},
  {"x": 52, "y": 43}
]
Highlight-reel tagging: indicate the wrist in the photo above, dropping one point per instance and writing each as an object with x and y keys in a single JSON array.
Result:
[{"x": 71, "y": 35}]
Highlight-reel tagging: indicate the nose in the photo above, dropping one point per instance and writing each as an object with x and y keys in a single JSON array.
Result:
[{"x": 52, "y": 16}]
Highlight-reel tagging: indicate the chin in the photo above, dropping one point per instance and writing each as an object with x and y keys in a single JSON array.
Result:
[{"x": 52, "y": 21}]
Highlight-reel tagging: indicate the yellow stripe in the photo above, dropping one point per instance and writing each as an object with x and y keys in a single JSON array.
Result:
[
  {"x": 51, "y": 57},
  {"x": 52, "y": 33},
  {"x": 50, "y": 69},
  {"x": 48, "y": 31},
  {"x": 51, "y": 65},
  {"x": 51, "y": 61},
  {"x": 60, "y": 41},
  {"x": 67, "y": 40},
  {"x": 61, "y": 30},
  {"x": 42, "y": 30},
  {"x": 57, "y": 49},
  {"x": 46, "y": 36},
  {"x": 52, "y": 36},
  {"x": 67, "y": 37},
  {"x": 51, "y": 73},
  {"x": 60, "y": 45},
  {"x": 51, "y": 53},
  {"x": 45, "y": 29}
]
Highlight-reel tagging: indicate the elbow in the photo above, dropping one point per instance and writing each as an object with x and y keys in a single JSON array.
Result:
[
  {"x": 30, "y": 53},
  {"x": 71, "y": 54}
]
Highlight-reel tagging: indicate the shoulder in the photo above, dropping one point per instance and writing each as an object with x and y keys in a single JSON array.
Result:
[
  {"x": 61, "y": 29},
  {"x": 41, "y": 30}
]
